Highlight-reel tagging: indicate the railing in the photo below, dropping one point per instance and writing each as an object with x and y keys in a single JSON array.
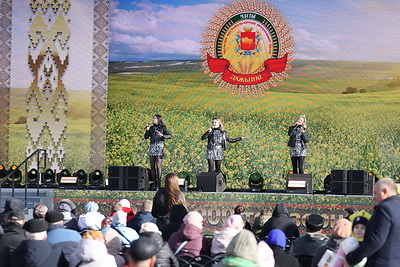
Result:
[{"x": 7, "y": 177}]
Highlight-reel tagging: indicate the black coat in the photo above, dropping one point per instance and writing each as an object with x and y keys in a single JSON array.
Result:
[
  {"x": 208, "y": 135},
  {"x": 178, "y": 212},
  {"x": 161, "y": 206},
  {"x": 283, "y": 259},
  {"x": 381, "y": 240},
  {"x": 140, "y": 218},
  {"x": 165, "y": 257},
  {"x": 308, "y": 244},
  {"x": 154, "y": 138},
  {"x": 280, "y": 220},
  {"x": 13, "y": 235},
  {"x": 35, "y": 253},
  {"x": 292, "y": 139},
  {"x": 333, "y": 244},
  {"x": 4, "y": 256}
]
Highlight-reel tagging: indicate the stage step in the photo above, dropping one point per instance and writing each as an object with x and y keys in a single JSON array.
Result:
[{"x": 45, "y": 196}]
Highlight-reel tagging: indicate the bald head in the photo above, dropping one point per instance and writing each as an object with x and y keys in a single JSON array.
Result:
[{"x": 383, "y": 189}]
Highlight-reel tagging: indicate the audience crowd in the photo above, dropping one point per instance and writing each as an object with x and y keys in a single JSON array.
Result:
[{"x": 61, "y": 237}]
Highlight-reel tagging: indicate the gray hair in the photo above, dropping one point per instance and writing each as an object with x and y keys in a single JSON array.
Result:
[{"x": 387, "y": 183}]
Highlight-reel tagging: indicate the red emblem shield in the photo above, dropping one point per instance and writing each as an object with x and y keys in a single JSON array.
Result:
[{"x": 247, "y": 40}]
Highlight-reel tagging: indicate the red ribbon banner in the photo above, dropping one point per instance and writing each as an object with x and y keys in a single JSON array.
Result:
[{"x": 222, "y": 65}]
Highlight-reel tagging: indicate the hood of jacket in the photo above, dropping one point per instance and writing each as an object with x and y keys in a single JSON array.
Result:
[
  {"x": 90, "y": 250},
  {"x": 90, "y": 220},
  {"x": 280, "y": 210},
  {"x": 189, "y": 231},
  {"x": 156, "y": 237}
]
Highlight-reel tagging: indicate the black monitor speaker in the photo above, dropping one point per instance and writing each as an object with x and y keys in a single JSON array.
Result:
[
  {"x": 211, "y": 182},
  {"x": 299, "y": 183},
  {"x": 339, "y": 181}
]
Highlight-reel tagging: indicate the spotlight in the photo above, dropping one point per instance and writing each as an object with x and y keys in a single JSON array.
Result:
[
  {"x": 328, "y": 183},
  {"x": 96, "y": 179},
  {"x": 81, "y": 177},
  {"x": 256, "y": 182},
  {"x": 183, "y": 180},
  {"x": 16, "y": 175},
  {"x": 32, "y": 177},
  {"x": 48, "y": 178},
  {"x": 3, "y": 171}
]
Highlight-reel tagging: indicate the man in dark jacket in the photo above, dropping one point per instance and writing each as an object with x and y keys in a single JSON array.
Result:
[
  {"x": 13, "y": 232},
  {"x": 381, "y": 240},
  {"x": 281, "y": 220},
  {"x": 142, "y": 216},
  {"x": 35, "y": 251},
  {"x": 12, "y": 204},
  {"x": 304, "y": 247},
  {"x": 4, "y": 251}
]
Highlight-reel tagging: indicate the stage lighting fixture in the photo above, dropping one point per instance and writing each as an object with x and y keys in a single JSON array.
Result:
[
  {"x": 3, "y": 171},
  {"x": 63, "y": 173},
  {"x": 328, "y": 183},
  {"x": 81, "y": 177},
  {"x": 48, "y": 178},
  {"x": 96, "y": 178},
  {"x": 256, "y": 182},
  {"x": 183, "y": 180},
  {"x": 16, "y": 175},
  {"x": 32, "y": 177}
]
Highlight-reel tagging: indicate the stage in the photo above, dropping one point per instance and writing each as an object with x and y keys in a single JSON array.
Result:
[{"x": 215, "y": 207}]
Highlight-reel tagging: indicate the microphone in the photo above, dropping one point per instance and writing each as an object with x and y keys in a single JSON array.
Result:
[{"x": 148, "y": 124}]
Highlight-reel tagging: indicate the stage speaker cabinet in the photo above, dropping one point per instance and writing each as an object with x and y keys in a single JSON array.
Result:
[
  {"x": 137, "y": 178},
  {"x": 299, "y": 183},
  {"x": 116, "y": 183},
  {"x": 116, "y": 171},
  {"x": 360, "y": 182},
  {"x": 339, "y": 182},
  {"x": 211, "y": 182}
]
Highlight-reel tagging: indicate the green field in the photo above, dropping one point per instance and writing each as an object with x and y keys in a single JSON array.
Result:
[{"x": 347, "y": 131}]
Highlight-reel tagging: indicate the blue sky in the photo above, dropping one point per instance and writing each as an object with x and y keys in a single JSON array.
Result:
[{"x": 363, "y": 30}]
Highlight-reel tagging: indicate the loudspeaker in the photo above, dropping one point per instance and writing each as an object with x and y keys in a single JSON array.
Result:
[
  {"x": 211, "y": 182},
  {"x": 299, "y": 183},
  {"x": 360, "y": 182},
  {"x": 136, "y": 171},
  {"x": 116, "y": 183},
  {"x": 339, "y": 181},
  {"x": 116, "y": 171}
]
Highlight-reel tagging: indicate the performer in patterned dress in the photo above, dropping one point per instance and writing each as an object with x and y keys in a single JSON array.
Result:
[
  {"x": 157, "y": 133},
  {"x": 297, "y": 143},
  {"x": 216, "y": 146}
]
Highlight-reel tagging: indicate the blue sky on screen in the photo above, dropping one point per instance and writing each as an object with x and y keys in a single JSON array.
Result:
[{"x": 362, "y": 30}]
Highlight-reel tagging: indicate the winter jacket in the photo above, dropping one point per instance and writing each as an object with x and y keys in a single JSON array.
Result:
[
  {"x": 90, "y": 221},
  {"x": 196, "y": 244},
  {"x": 283, "y": 259},
  {"x": 35, "y": 253},
  {"x": 258, "y": 225},
  {"x": 140, "y": 218},
  {"x": 62, "y": 235},
  {"x": 308, "y": 244},
  {"x": 221, "y": 240},
  {"x": 13, "y": 235},
  {"x": 155, "y": 138},
  {"x": 126, "y": 234},
  {"x": 165, "y": 257},
  {"x": 178, "y": 212},
  {"x": 280, "y": 220},
  {"x": 208, "y": 135},
  {"x": 161, "y": 206},
  {"x": 114, "y": 245},
  {"x": 92, "y": 253}
]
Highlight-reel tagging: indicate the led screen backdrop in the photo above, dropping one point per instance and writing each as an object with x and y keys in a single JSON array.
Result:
[
  {"x": 54, "y": 71},
  {"x": 342, "y": 73}
]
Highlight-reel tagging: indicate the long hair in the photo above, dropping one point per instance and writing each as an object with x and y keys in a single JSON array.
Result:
[
  {"x": 221, "y": 127},
  {"x": 160, "y": 120},
  {"x": 304, "y": 118},
  {"x": 174, "y": 193}
]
